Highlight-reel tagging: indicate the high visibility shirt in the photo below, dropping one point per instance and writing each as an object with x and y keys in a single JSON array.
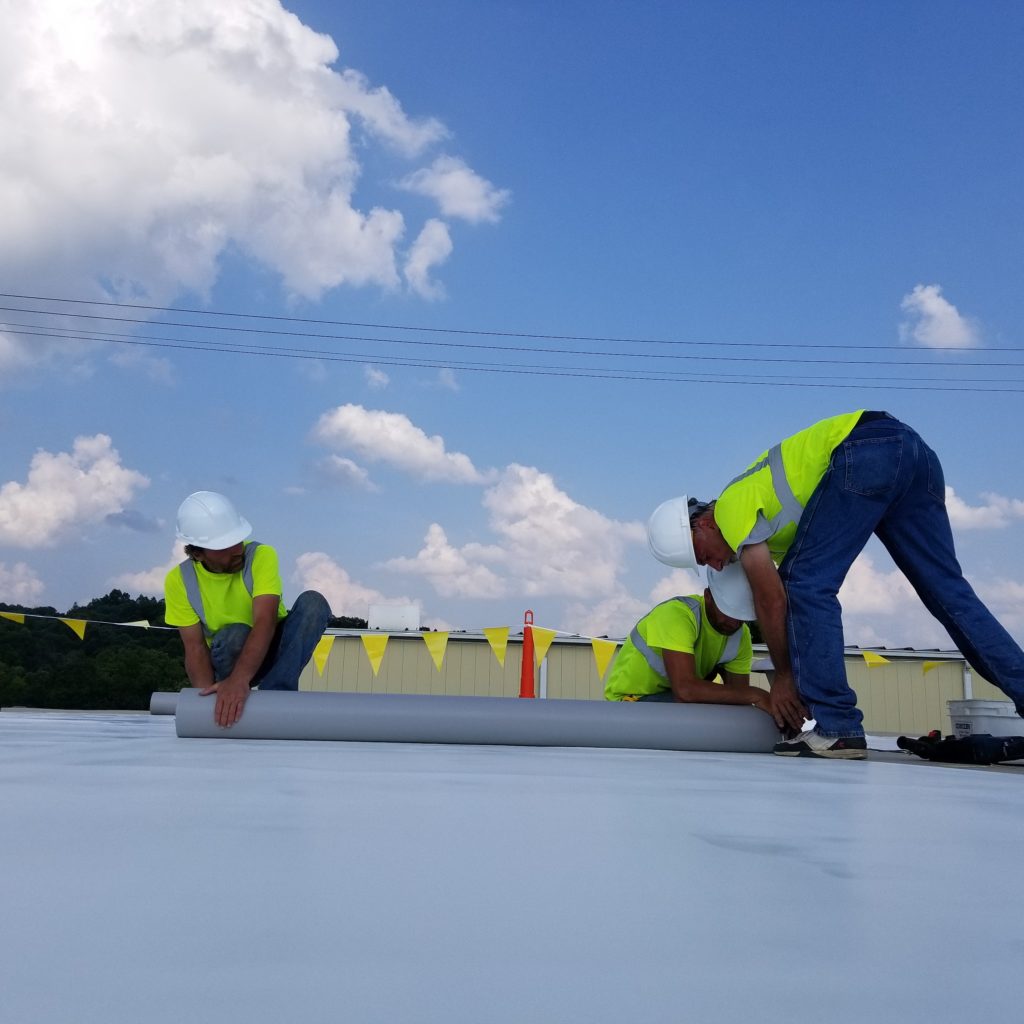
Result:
[
  {"x": 225, "y": 597},
  {"x": 679, "y": 624},
  {"x": 765, "y": 502}
]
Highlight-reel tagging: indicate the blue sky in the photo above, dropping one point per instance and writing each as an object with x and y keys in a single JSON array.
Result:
[{"x": 756, "y": 179}]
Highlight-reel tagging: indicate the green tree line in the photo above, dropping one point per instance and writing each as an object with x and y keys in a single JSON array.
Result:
[{"x": 43, "y": 664}]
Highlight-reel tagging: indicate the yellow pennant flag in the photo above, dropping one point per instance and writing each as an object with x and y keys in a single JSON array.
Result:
[
  {"x": 18, "y": 617},
  {"x": 541, "y": 642},
  {"x": 873, "y": 660},
  {"x": 141, "y": 623},
  {"x": 374, "y": 645},
  {"x": 497, "y": 637},
  {"x": 603, "y": 651},
  {"x": 929, "y": 665},
  {"x": 436, "y": 643},
  {"x": 322, "y": 652},
  {"x": 77, "y": 626}
]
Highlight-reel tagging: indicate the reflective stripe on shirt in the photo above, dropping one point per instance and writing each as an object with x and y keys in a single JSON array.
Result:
[
  {"x": 791, "y": 509},
  {"x": 190, "y": 578},
  {"x": 656, "y": 661}
]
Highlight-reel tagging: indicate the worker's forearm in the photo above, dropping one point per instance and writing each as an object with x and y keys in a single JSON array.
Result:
[
  {"x": 700, "y": 691},
  {"x": 772, "y": 621},
  {"x": 254, "y": 650},
  {"x": 199, "y": 668}
]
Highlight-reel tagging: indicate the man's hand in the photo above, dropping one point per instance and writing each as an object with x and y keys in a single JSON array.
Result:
[
  {"x": 231, "y": 698},
  {"x": 786, "y": 707}
]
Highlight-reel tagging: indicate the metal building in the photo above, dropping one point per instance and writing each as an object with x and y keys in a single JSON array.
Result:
[{"x": 903, "y": 695}]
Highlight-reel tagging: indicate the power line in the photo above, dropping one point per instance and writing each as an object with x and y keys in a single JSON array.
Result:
[
  {"x": 30, "y": 330},
  {"x": 457, "y": 330},
  {"x": 519, "y": 369},
  {"x": 491, "y": 347}
]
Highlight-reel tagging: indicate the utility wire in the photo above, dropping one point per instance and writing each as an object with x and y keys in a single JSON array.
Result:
[
  {"x": 25, "y": 330},
  {"x": 548, "y": 371},
  {"x": 495, "y": 348},
  {"x": 456, "y": 330}
]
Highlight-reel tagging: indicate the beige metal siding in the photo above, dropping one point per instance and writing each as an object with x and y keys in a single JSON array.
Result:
[
  {"x": 469, "y": 668},
  {"x": 901, "y": 698},
  {"x": 895, "y": 698},
  {"x": 572, "y": 673},
  {"x": 982, "y": 689}
]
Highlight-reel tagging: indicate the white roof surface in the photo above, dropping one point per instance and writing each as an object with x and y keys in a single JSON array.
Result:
[{"x": 153, "y": 879}]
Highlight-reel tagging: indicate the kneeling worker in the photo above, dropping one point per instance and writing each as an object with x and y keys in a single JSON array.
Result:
[
  {"x": 225, "y": 599},
  {"x": 677, "y": 649}
]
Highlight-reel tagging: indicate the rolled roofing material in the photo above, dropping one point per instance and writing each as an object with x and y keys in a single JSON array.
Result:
[
  {"x": 407, "y": 718},
  {"x": 162, "y": 703}
]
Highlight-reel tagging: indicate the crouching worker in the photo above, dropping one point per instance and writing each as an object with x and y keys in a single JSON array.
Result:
[
  {"x": 679, "y": 647},
  {"x": 225, "y": 599}
]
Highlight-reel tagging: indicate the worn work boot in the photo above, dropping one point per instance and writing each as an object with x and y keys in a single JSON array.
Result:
[{"x": 810, "y": 744}]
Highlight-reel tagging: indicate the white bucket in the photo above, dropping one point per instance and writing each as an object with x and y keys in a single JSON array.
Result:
[{"x": 995, "y": 717}]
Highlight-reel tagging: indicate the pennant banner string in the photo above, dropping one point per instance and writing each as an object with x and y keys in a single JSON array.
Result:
[
  {"x": 497, "y": 637},
  {"x": 322, "y": 652},
  {"x": 436, "y": 643},
  {"x": 374, "y": 644},
  {"x": 873, "y": 659}
]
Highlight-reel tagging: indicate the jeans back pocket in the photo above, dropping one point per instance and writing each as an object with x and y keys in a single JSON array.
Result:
[{"x": 872, "y": 464}]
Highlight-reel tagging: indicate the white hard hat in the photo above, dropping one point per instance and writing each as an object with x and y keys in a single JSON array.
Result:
[
  {"x": 669, "y": 536},
  {"x": 731, "y": 592},
  {"x": 209, "y": 520}
]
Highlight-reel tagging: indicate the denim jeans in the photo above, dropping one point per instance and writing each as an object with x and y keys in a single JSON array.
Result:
[
  {"x": 289, "y": 651},
  {"x": 882, "y": 479}
]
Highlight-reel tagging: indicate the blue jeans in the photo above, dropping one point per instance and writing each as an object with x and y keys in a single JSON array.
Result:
[
  {"x": 882, "y": 479},
  {"x": 289, "y": 651}
]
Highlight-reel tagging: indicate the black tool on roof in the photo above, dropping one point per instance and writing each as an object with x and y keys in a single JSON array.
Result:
[{"x": 977, "y": 749}]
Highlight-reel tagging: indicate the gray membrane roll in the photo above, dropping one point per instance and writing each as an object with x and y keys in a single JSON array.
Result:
[
  {"x": 408, "y": 718},
  {"x": 162, "y": 703}
]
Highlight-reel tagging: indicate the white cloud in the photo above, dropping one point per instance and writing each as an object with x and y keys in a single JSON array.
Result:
[
  {"x": 616, "y": 615},
  {"x": 394, "y": 439},
  {"x": 1005, "y": 598},
  {"x": 432, "y": 247},
  {"x": 315, "y": 570},
  {"x": 377, "y": 379},
  {"x": 556, "y": 545},
  {"x": 347, "y": 472},
  {"x": 882, "y": 609},
  {"x": 380, "y": 112},
  {"x": 143, "y": 140},
  {"x": 868, "y": 589},
  {"x": 933, "y": 321},
  {"x": 66, "y": 490},
  {"x": 458, "y": 190},
  {"x": 678, "y": 583},
  {"x": 996, "y": 513},
  {"x": 546, "y": 544},
  {"x": 14, "y": 354},
  {"x": 150, "y": 581},
  {"x": 612, "y": 616},
  {"x": 157, "y": 368},
  {"x": 19, "y": 585},
  {"x": 447, "y": 380},
  {"x": 452, "y": 572}
]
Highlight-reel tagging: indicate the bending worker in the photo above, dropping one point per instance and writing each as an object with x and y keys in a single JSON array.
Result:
[
  {"x": 809, "y": 505},
  {"x": 678, "y": 648},
  {"x": 225, "y": 599}
]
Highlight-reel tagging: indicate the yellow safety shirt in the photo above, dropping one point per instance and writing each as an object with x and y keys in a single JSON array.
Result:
[
  {"x": 680, "y": 624},
  {"x": 765, "y": 502},
  {"x": 225, "y": 598}
]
